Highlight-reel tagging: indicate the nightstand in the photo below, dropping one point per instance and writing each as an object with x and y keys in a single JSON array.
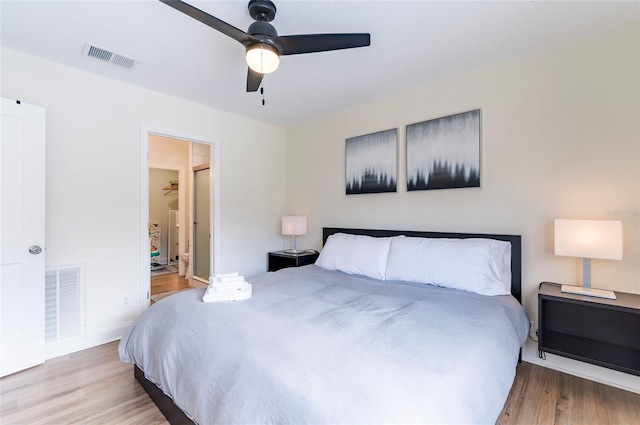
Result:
[
  {"x": 594, "y": 330},
  {"x": 281, "y": 259}
]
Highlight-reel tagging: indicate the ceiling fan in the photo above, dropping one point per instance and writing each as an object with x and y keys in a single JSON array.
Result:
[{"x": 263, "y": 44}]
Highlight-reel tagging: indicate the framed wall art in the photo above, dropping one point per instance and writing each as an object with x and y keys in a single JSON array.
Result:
[
  {"x": 444, "y": 153},
  {"x": 371, "y": 163}
]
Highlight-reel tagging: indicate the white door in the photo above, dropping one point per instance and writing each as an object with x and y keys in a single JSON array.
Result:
[{"x": 22, "y": 162}]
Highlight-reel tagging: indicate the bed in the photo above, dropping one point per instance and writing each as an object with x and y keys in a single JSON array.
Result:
[{"x": 333, "y": 345}]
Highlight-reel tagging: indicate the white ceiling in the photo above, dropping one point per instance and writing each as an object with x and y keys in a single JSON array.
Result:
[{"x": 412, "y": 43}]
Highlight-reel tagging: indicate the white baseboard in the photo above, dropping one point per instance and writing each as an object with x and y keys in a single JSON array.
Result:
[
  {"x": 90, "y": 340},
  {"x": 613, "y": 378}
]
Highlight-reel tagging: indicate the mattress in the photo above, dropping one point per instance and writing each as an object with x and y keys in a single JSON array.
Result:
[{"x": 318, "y": 346}]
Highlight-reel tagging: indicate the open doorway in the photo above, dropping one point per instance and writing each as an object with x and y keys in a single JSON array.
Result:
[
  {"x": 170, "y": 232},
  {"x": 164, "y": 218},
  {"x": 167, "y": 218}
]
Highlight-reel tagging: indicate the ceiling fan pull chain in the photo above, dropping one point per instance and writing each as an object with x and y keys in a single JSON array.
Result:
[{"x": 262, "y": 93}]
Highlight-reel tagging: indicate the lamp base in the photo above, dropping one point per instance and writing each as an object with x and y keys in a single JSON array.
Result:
[
  {"x": 295, "y": 251},
  {"x": 579, "y": 290}
]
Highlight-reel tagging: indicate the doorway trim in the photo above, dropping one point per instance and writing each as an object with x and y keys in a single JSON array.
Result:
[{"x": 146, "y": 131}]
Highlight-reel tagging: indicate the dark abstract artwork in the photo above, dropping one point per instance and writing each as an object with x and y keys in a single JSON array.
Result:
[
  {"x": 444, "y": 153},
  {"x": 372, "y": 163}
]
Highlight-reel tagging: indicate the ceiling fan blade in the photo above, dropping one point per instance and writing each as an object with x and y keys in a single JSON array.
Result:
[
  {"x": 254, "y": 79},
  {"x": 297, "y": 44},
  {"x": 209, "y": 20}
]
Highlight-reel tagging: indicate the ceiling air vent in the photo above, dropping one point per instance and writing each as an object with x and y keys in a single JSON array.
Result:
[{"x": 105, "y": 55}]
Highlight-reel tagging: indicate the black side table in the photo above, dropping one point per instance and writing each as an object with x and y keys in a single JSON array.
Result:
[
  {"x": 282, "y": 259},
  {"x": 594, "y": 330}
]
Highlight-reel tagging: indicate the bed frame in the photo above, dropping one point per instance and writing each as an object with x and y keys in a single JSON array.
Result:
[
  {"x": 176, "y": 416},
  {"x": 173, "y": 413}
]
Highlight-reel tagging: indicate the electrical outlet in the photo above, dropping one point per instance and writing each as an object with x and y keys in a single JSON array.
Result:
[
  {"x": 125, "y": 301},
  {"x": 532, "y": 329}
]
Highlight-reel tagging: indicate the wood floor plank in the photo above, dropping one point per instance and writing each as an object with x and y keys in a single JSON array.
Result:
[
  {"x": 117, "y": 405},
  {"x": 622, "y": 407},
  {"x": 572, "y": 406},
  {"x": 509, "y": 414},
  {"x": 146, "y": 415},
  {"x": 41, "y": 413},
  {"x": 167, "y": 283},
  {"x": 94, "y": 387},
  {"x": 9, "y": 407},
  {"x": 538, "y": 405}
]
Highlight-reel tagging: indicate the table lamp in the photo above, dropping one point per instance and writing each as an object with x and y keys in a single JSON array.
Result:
[
  {"x": 588, "y": 239},
  {"x": 294, "y": 226}
]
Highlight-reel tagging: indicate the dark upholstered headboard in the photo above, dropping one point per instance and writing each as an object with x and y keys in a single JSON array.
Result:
[{"x": 516, "y": 246}]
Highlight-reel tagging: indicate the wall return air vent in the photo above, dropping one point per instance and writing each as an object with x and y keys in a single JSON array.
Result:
[
  {"x": 104, "y": 55},
  {"x": 64, "y": 303}
]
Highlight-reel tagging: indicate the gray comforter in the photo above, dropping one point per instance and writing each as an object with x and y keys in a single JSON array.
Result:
[{"x": 315, "y": 346}]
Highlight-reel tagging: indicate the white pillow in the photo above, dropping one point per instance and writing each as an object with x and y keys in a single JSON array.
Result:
[
  {"x": 355, "y": 254},
  {"x": 482, "y": 266}
]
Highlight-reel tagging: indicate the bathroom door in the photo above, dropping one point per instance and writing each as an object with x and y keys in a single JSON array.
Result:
[{"x": 202, "y": 222}]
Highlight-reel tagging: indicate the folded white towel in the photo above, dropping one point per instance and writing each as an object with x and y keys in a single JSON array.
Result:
[
  {"x": 242, "y": 292},
  {"x": 228, "y": 279},
  {"x": 221, "y": 280},
  {"x": 219, "y": 275},
  {"x": 226, "y": 289},
  {"x": 225, "y": 285}
]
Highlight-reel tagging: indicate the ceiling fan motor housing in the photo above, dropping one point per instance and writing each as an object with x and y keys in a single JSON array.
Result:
[
  {"x": 262, "y": 10},
  {"x": 264, "y": 32}
]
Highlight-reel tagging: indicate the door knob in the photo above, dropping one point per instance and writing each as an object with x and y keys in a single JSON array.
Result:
[{"x": 35, "y": 249}]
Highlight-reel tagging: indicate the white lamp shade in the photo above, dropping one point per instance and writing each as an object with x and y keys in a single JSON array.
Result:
[
  {"x": 589, "y": 239},
  {"x": 262, "y": 58},
  {"x": 294, "y": 225}
]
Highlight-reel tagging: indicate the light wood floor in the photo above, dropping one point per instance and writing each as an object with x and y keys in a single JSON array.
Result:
[
  {"x": 87, "y": 387},
  {"x": 544, "y": 396},
  {"x": 93, "y": 387},
  {"x": 168, "y": 283}
]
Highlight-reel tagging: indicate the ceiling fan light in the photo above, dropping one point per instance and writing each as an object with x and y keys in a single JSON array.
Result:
[{"x": 262, "y": 58}]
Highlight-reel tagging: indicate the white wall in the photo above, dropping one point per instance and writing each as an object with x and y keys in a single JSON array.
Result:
[
  {"x": 255, "y": 173},
  {"x": 93, "y": 205},
  {"x": 560, "y": 139}
]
